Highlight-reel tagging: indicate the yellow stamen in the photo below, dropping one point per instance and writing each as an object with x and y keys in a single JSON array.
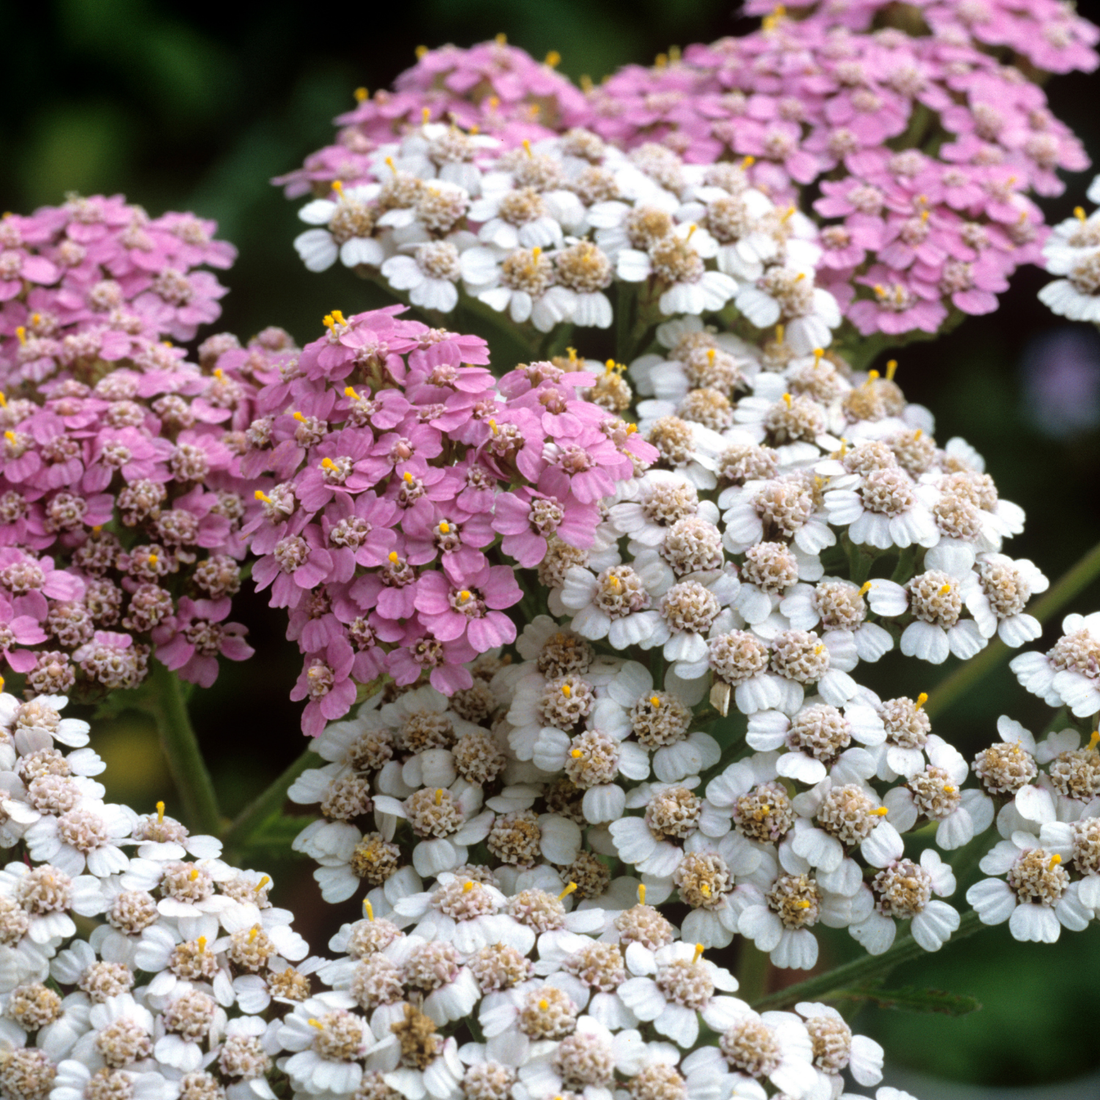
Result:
[
  {"x": 439, "y": 796},
  {"x": 328, "y": 464},
  {"x": 1079, "y": 213},
  {"x": 1093, "y": 740},
  {"x": 803, "y": 904},
  {"x": 527, "y": 147},
  {"x": 501, "y": 39},
  {"x": 200, "y": 943},
  {"x": 891, "y": 370},
  {"x": 153, "y": 559},
  {"x": 865, "y": 589},
  {"x": 261, "y": 884},
  {"x": 818, "y": 355},
  {"x": 553, "y": 59},
  {"x": 691, "y": 230},
  {"x": 945, "y": 589},
  {"x": 779, "y": 330},
  {"x": 467, "y": 887},
  {"x": 748, "y": 162},
  {"x": 9, "y": 435},
  {"x": 1054, "y": 861},
  {"x": 641, "y": 893},
  {"x": 567, "y": 891},
  {"x": 655, "y": 702},
  {"x": 392, "y": 167},
  {"x": 361, "y": 94},
  {"x": 948, "y": 789},
  {"x": 614, "y": 582},
  {"x": 444, "y": 528},
  {"x": 3, "y": 401},
  {"x": 261, "y": 495},
  {"x": 576, "y": 754},
  {"x": 882, "y": 811},
  {"x": 316, "y": 1023},
  {"x": 394, "y": 559},
  {"x": 253, "y": 932},
  {"x": 880, "y": 290},
  {"x": 338, "y": 187},
  {"x": 567, "y": 691},
  {"x": 787, "y": 400},
  {"x": 544, "y": 1005},
  {"x": 21, "y": 332},
  {"x": 463, "y": 596},
  {"x": 194, "y": 873},
  {"x": 872, "y": 376},
  {"x": 704, "y": 889},
  {"x": 299, "y": 417},
  {"x": 338, "y": 317},
  {"x": 421, "y": 51},
  {"x": 160, "y": 812},
  {"x": 698, "y": 952},
  {"x": 819, "y": 649},
  {"x": 922, "y": 699},
  {"x": 368, "y": 909},
  {"x": 660, "y": 61},
  {"x": 409, "y": 479},
  {"x": 425, "y": 115}
]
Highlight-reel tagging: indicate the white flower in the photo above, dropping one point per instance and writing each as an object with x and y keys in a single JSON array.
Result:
[
  {"x": 887, "y": 510},
  {"x": 1075, "y": 296},
  {"x": 903, "y": 890},
  {"x": 86, "y": 835},
  {"x": 935, "y": 794},
  {"x": 997, "y": 602},
  {"x": 327, "y": 1044},
  {"x": 74, "y": 1077},
  {"x": 815, "y": 741},
  {"x": 138, "y": 1028},
  {"x": 1036, "y": 897},
  {"x": 446, "y": 820},
  {"x": 352, "y": 240},
  {"x": 835, "y": 608},
  {"x": 841, "y": 1050},
  {"x": 615, "y": 604},
  {"x": 674, "y": 986},
  {"x": 430, "y": 274},
  {"x": 790, "y": 1069},
  {"x": 936, "y": 600}
]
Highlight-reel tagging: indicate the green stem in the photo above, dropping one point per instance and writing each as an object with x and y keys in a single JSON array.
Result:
[
  {"x": 858, "y": 972},
  {"x": 265, "y": 805},
  {"x": 164, "y": 701},
  {"x": 963, "y": 679}
]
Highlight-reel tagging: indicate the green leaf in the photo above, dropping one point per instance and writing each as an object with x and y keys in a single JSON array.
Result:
[
  {"x": 275, "y": 835},
  {"x": 911, "y": 999}
]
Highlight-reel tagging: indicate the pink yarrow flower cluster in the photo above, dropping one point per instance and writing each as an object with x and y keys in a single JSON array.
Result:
[
  {"x": 96, "y": 281},
  {"x": 497, "y": 88},
  {"x": 402, "y": 487},
  {"x": 925, "y": 147},
  {"x": 120, "y": 493}
]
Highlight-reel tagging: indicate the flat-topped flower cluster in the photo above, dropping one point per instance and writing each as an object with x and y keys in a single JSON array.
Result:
[
  {"x": 921, "y": 142},
  {"x": 393, "y": 467}
]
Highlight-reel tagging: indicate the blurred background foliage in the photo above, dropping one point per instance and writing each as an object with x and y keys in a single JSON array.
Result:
[{"x": 183, "y": 107}]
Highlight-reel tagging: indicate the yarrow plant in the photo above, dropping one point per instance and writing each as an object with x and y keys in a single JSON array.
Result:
[{"x": 592, "y": 645}]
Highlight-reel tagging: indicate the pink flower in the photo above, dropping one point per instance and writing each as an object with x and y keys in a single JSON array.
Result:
[
  {"x": 192, "y": 640},
  {"x": 474, "y": 611}
]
